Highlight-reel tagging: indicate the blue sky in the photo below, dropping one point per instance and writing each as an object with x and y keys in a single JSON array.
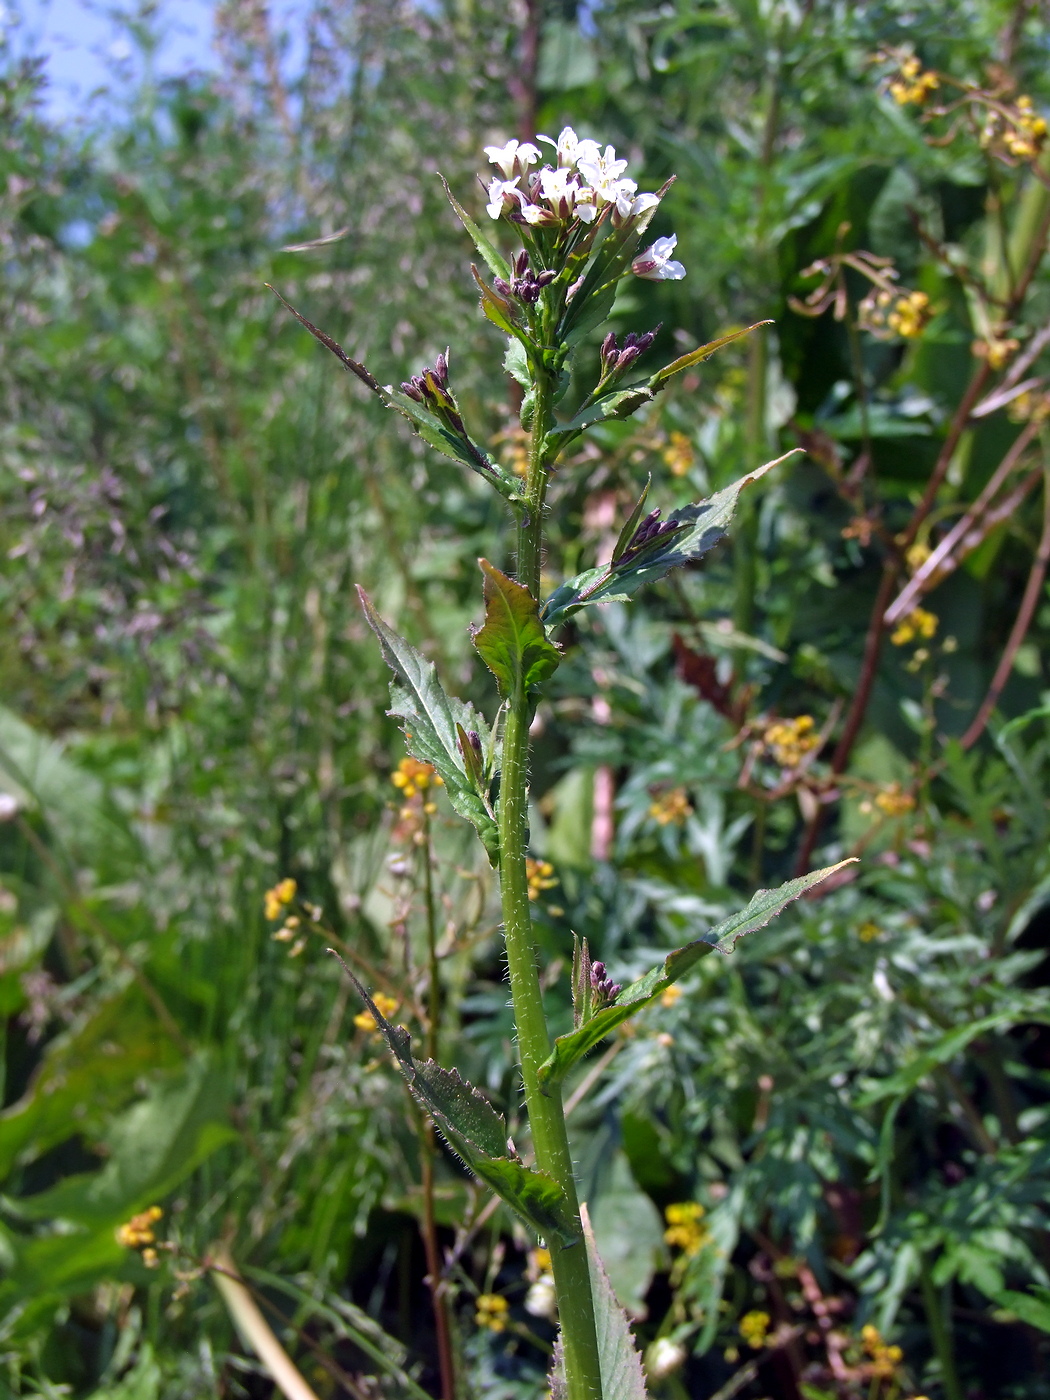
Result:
[{"x": 86, "y": 49}]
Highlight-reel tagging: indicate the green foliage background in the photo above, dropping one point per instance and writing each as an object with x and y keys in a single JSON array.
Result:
[{"x": 194, "y": 708}]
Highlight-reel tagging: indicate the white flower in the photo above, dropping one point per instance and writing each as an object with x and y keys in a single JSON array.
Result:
[
  {"x": 656, "y": 263},
  {"x": 541, "y": 1301},
  {"x": 640, "y": 204},
  {"x": 602, "y": 171},
  {"x": 664, "y": 1358},
  {"x": 566, "y": 195},
  {"x": 571, "y": 150},
  {"x": 503, "y": 194},
  {"x": 514, "y": 158}
]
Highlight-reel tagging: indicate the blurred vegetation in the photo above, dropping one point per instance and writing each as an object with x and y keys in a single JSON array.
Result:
[{"x": 845, "y": 1127}]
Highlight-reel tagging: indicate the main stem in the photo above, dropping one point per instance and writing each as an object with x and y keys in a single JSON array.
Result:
[{"x": 546, "y": 1115}]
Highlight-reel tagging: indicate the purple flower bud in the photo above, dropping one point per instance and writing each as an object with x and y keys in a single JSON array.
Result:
[
  {"x": 412, "y": 389},
  {"x": 474, "y": 739},
  {"x": 502, "y": 287},
  {"x": 441, "y": 367},
  {"x": 545, "y": 278},
  {"x": 520, "y": 265},
  {"x": 627, "y": 356}
]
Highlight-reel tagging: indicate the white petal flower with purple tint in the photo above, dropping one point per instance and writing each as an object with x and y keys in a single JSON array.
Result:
[
  {"x": 571, "y": 150},
  {"x": 515, "y": 158},
  {"x": 603, "y": 172},
  {"x": 503, "y": 195},
  {"x": 656, "y": 263}
]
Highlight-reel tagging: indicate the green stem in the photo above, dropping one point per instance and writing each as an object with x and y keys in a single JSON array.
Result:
[
  {"x": 940, "y": 1334},
  {"x": 546, "y": 1115}
]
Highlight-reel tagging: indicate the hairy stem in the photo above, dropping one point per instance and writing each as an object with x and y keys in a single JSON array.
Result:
[
  {"x": 546, "y": 1116},
  {"x": 427, "y": 1143}
]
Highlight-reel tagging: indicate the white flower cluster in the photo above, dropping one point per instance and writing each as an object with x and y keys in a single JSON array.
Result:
[{"x": 585, "y": 182}]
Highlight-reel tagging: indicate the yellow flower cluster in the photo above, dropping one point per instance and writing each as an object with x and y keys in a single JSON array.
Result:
[
  {"x": 411, "y": 777},
  {"x": 276, "y": 900},
  {"x": 678, "y": 454},
  {"x": 386, "y": 1006},
  {"x": 491, "y": 1312},
  {"x": 540, "y": 875},
  {"x": 789, "y": 739},
  {"x": 684, "y": 1230},
  {"x": 137, "y": 1233},
  {"x": 1026, "y": 137},
  {"x": 913, "y": 84},
  {"x": 885, "y": 1359},
  {"x": 868, "y": 931},
  {"x": 894, "y": 801},
  {"x": 753, "y": 1329},
  {"x": 918, "y": 623},
  {"x": 673, "y": 806},
  {"x": 906, "y": 314}
]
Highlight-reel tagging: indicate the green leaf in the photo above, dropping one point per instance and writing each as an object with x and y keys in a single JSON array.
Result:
[
  {"x": 1032, "y": 1307},
  {"x": 618, "y": 405},
  {"x": 495, "y": 307},
  {"x": 621, "y": 1365},
  {"x": 764, "y": 907},
  {"x": 512, "y": 642},
  {"x": 623, "y": 539},
  {"x": 475, "y": 1131},
  {"x": 459, "y": 448},
  {"x": 696, "y": 357},
  {"x": 155, "y": 1145},
  {"x": 495, "y": 260},
  {"x": 431, "y": 722},
  {"x": 944, "y": 1050},
  {"x": 516, "y": 363},
  {"x": 698, "y": 528}
]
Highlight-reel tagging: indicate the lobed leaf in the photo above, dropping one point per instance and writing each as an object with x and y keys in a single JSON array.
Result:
[
  {"x": 512, "y": 642},
  {"x": 432, "y": 721},
  {"x": 476, "y": 1132},
  {"x": 696, "y": 529},
  {"x": 765, "y": 905}
]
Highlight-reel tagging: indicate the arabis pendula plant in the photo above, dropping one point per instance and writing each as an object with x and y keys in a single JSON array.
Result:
[{"x": 563, "y": 237}]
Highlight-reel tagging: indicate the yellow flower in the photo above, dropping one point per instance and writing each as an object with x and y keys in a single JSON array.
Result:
[
  {"x": 918, "y": 623},
  {"x": 540, "y": 875},
  {"x": 411, "y": 777},
  {"x": 868, "y": 931},
  {"x": 894, "y": 801},
  {"x": 684, "y": 1230},
  {"x": 670, "y": 995},
  {"x": 913, "y": 85},
  {"x": 679, "y": 454},
  {"x": 275, "y": 900},
  {"x": 673, "y": 806},
  {"x": 917, "y": 555},
  {"x": 386, "y": 1006},
  {"x": 884, "y": 1359},
  {"x": 996, "y": 352},
  {"x": 753, "y": 1329},
  {"x": 491, "y": 1312},
  {"x": 138, "y": 1231},
  {"x": 886, "y": 314},
  {"x": 789, "y": 739}
]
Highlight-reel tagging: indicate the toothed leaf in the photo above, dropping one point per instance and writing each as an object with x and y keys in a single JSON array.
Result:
[
  {"x": 697, "y": 529},
  {"x": 475, "y": 1131},
  {"x": 764, "y": 907},
  {"x": 430, "y": 719}
]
